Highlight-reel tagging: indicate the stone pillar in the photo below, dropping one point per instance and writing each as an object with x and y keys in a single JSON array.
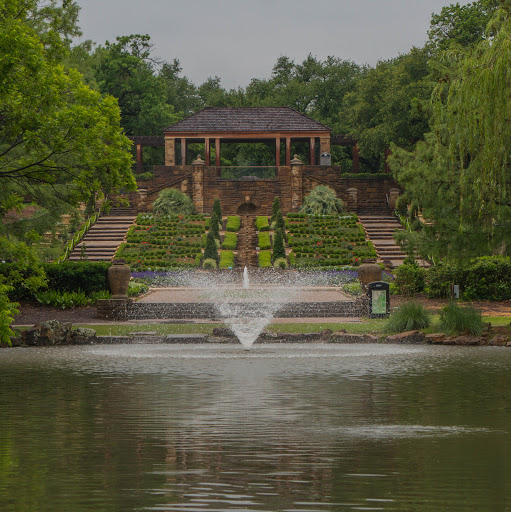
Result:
[
  {"x": 312, "y": 151},
  {"x": 288, "y": 151},
  {"x": 296, "y": 183},
  {"x": 324, "y": 145},
  {"x": 217, "y": 152},
  {"x": 277, "y": 152},
  {"x": 183, "y": 151},
  {"x": 184, "y": 186},
  {"x": 170, "y": 151},
  {"x": 140, "y": 158},
  {"x": 198, "y": 184},
  {"x": 352, "y": 199},
  {"x": 207, "y": 152},
  {"x": 142, "y": 200},
  {"x": 356, "y": 158},
  {"x": 393, "y": 195}
]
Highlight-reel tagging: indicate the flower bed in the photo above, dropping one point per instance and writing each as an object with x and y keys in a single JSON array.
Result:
[
  {"x": 326, "y": 241},
  {"x": 164, "y": 241}
]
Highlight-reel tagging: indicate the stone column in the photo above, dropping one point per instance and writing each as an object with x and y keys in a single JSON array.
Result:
[
  {"x": 207, "y": 151},
  {"x": 140, "y": 158},
  {"x": 288, "y": 151},
  {"x": 324, "y": 144},
  {"x": 184, "y": 186},
  {"x": 296, "y": 183},
  {"x": 183, "y": 151},
  {"x": 198, "y": 184},
  {"x": 170, "y": 151},
  {"x": 312, "y": 151},
  {"x": 277, "y": 152},
  {"x": 142, "y": 200},
  {"x": 393, "y": 195}
]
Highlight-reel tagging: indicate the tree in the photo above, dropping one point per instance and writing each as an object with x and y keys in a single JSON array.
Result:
[
  {"x": 127, "y": 71},
  {"x": 279, "y": 249},
  {"x": 217, "y": 208},
  {"x": 275, "y": 207},
  {"x": 460, "y": 175},
  {"x": 211, "y": 249},
  {"x": 461, "y": 25},
  {"x": 55, "y": 132},
  {"x": 322, "y": 200}
]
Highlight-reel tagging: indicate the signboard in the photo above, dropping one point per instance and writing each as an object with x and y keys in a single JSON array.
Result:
[{"x": 379, "y": 299}]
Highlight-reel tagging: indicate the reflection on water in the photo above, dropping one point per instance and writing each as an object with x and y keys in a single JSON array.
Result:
[{"x": 214, "y": 428}]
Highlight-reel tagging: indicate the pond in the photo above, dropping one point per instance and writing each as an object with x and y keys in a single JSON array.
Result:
[{"x": 278, "y": 428}]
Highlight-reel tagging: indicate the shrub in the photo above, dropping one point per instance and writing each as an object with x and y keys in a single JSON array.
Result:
[
  {"x": 275, "y": 207},
  {"x": 279, "y": 250},
  {"x": 8, "y": 310},
  {"x": 88, "y": 276},
  {"x": 211, "y": 250},
  {"x": 279, "y": 221},
  {"x": 63, "y": 299},
  {"x": 408, "y": 317},
  {"x": 487, "y": 278},
  {"x": 217, "y": 209},
  {"x": 172, "y": 201},
  {"x": 209, "y": 264},
  {"x": 135, "y": 288},
  {"x": 264, "y": 240},
  {"x": 409, "y": 279},
  {"x": 226, "y": 259},
  {"x": 144, "y": 176},
  {"x": 455, "y": 320},
  {"x": 280, "y": 263},
  {"x": 262, "y": 224},
  {"x": 353, "y": 288},
  {"x": 322, "y": 200},
  {"x": 439, "y": 278},
  {"x": 264, "y": 259},
  {"x": 214, "y": 225},
  {"x": 230, "y": 241},
  {"x": 233, "y": 223}
]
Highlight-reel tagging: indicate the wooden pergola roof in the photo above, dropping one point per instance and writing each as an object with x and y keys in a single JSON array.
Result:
[{"x": 247, "y": 119}]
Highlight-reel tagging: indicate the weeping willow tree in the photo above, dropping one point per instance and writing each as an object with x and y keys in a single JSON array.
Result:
[{"x": 461, "y": 174}]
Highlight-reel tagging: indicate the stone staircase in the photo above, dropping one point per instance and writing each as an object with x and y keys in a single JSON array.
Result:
[
  {"x": 105, "y": 236},
  {"x": 380, "y": 227},
  {"x": 247, "y": 243}
]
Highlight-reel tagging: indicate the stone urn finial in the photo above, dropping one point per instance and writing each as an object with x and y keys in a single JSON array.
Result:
[
  {"x": 198, "y": 161},
  {"x": 296, "y": 161}
]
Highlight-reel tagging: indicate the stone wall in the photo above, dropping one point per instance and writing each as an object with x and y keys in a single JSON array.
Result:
[{"x": 204, "y": 185}]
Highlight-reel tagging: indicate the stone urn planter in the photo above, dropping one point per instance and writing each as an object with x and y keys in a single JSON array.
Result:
[
  {"x": 118, "y": 276},
  {"x": 369, "y": 272}
]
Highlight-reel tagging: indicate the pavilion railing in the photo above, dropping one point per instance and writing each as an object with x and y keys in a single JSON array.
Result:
[{"x": 247, "y": 172}]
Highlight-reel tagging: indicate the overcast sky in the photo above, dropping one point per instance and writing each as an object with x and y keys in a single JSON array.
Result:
[{"x": 242, "y": 39}]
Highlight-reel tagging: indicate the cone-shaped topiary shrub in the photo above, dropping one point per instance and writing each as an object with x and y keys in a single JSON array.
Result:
[
  {"x": 279, "y": 250},
  {"x": 211, "y": 250},
  {"x": 217, "y": 208},
  {"x": 275, "y": 207}
]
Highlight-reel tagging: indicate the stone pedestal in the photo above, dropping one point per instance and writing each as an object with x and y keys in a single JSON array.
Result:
[
  {"x": 198, "y": 184},
  {"x": 296, "y": 183}
]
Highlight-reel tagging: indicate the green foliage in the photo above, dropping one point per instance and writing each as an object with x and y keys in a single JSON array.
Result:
[
  {"x": 63, "y": 299},
  {"x": 280, "y": 263},
  {"x": 8, "y": 310},
  {"x": 264, "y": 240},
  {"x": 485, "y": 278},
  {"x": 46, "y": 109},
  {"x": 230, "y": 241},
  {"x": 137, "y": 288},
  {"x": 144, "y": 176},
  {"x": 279, "y": 249},
  {"x": 211, "y": 250},
  {"x": 410, "y": 316},
  {"x": 262, "y": 224},
  {"x": 214, "y": 225},
  {"x": 322, "y": 200},
  {"x": 209, "y": 264},
  {"x": 226, "y": 259},
  {"x": 353, "y": 288},
  {"x": 264, "y": 259},
  {"x": 279, "y": 221},
  {"x": 20, "y": 269},
  {"x": 173, "y": 202},
  {"x": 88, "y": 276},
  {"x": 233, "y": 223},
  {"x": 409, "y": 279},
  {"x": 217, "y": 208},
  {"x": 457, "y": 320}
]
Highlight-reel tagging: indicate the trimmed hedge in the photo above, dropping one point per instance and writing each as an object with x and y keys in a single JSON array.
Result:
[
  {"x": 262, "y": 224},
  {"x": 226, "y": 259},
  {"x": 264, "y": 241},
  {"x": 70, "y": 276},
  {"x": 230, "y": 241},
  {"x": 264, "y": 259},
  {"x": 233, "y": 224}
]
